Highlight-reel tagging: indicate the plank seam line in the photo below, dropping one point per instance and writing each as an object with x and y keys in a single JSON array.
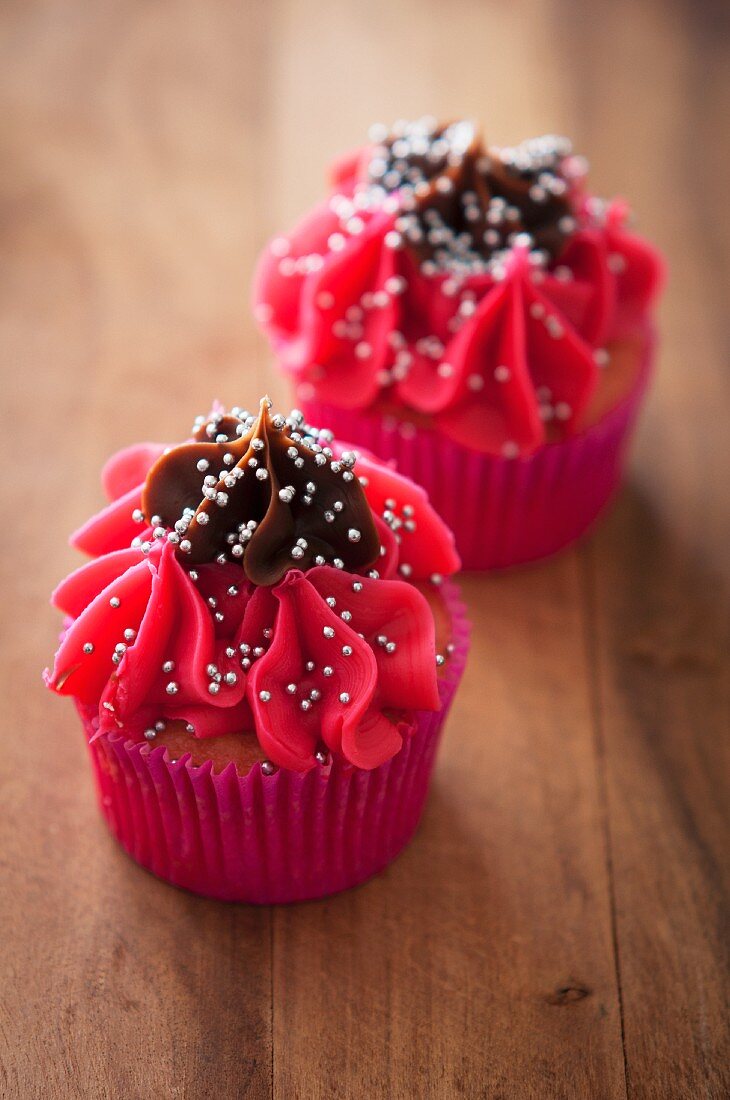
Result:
[
  {"x": 272, "y": 918},
  {"x": 590, "y": 633}
]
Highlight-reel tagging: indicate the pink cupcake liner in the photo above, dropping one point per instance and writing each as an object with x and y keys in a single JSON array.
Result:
[
  {"x": 503, "y": 511},
  {"x": 268, "y": 839}
]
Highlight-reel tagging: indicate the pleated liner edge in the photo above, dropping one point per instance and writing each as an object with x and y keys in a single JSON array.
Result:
[
  {"x": 268, "y": 839},
  {"x": 504, "y": 511}
]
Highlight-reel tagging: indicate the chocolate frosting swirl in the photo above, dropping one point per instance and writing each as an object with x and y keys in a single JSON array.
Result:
[
  {"x": 263, "y": 491},
  {"x": 464, "y": 202}
]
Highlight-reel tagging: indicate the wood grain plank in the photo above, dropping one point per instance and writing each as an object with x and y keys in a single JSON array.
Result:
[
  {"x": 657, "y": 576},
  {"x": 127, "y": 225},
  {"x": 481, "y": 963}
]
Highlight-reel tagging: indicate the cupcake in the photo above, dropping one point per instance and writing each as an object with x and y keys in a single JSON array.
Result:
[
  {"x": 262, "y": 650},
  {"x": 474, "y": 313}
]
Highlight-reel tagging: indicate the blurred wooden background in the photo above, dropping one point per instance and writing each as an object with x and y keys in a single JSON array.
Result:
[{"x": 557, "y": 927}]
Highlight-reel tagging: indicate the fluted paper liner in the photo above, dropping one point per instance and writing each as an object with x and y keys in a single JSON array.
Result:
[
  {"x": 271, "y": 838},
  {"x": 503, "y": 511}
]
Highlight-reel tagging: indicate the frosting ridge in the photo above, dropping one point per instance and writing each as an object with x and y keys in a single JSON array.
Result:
[
  {"x": 315, "y": 656},
  {"x": 256, "y": 489},
  {"x": 443, "y": 275}
]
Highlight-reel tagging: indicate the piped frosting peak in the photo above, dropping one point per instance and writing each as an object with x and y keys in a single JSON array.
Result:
[
  {"x": 477, "y": 288},
  {"x": 462, "y": 203},
  {"x": 261, "y": 490},
  {"x": 271, "y": 617}
]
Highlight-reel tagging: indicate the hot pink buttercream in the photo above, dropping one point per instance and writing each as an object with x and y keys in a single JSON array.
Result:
[
  {"x": 490, "y": 357},
  {"x": 144, "y": 645}
]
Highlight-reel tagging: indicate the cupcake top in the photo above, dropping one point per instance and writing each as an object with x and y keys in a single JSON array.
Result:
[
  {"x": 463, "y": 205},
  {"x": 472, "y": 286},
  {"x": 253, "y": 580}
]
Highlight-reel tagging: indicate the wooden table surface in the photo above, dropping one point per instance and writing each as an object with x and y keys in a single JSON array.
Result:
[{"x": 556, "y": 927}]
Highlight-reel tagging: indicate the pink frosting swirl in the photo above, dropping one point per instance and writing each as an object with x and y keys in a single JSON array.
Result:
[
  {"x": 491, "y": 347},
  {"x": 323, "y": 656}
]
